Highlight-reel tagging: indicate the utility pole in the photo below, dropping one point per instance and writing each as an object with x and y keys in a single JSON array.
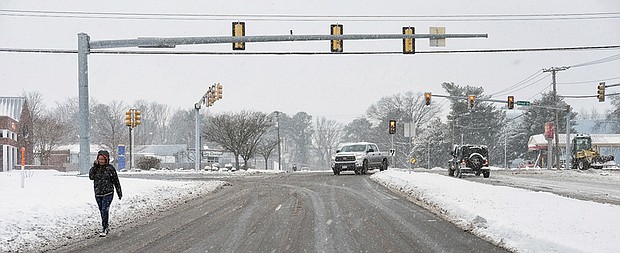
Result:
[
  {"x": 279, "y": 149},
  {"x": 556, "y": 155}
]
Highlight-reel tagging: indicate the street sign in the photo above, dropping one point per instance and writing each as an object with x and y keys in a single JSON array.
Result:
[
  {"x": 392, "y": 152},
  {"x": 413, "y": 160},
  {"x": 524, "y": 103}
]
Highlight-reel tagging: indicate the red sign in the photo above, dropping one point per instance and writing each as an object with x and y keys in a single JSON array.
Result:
[{"x": 549, "y": 130}]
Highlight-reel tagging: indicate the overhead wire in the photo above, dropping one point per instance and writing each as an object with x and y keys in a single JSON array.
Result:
[
  {"x": 308, "y": 18},
  {"x": 591, "y": 81},
  {"x": 599, "y": 61},
  {"x": 508, "y": 89}
]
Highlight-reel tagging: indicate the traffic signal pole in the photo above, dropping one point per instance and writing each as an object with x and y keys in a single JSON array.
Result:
[
  {"x": 197, "y": 156},
  {"x": 130, "y": 148},
  {"x": 213, "y": 94}
]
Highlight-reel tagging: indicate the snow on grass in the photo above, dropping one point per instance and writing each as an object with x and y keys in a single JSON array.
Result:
[
  {"x": 55, "y": 207},
  {"x": 516, "y": 219}
]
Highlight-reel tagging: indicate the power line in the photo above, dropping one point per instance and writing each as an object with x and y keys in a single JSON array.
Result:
[
  {"x": 592, "y": 81},
  {"x": 599, "y": 61},
  {"x": 308, "y": 18},
  {"x": 587, "y": 96},
  {"x": 64, "y": 51},
  {"x": 532, "y": 83},
  {"x": 508, "y": 89}
]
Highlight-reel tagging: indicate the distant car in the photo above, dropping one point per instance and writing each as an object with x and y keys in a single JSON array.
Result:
[{"x": 527, "y": 164}]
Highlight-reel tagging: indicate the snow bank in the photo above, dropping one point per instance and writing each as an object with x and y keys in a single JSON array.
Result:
[{"x": 516, "y": 219}]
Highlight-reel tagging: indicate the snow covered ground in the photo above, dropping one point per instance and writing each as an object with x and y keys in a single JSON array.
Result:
[
  {"x": 517, "y": 219},
  {"x": 54, "y": 207}
]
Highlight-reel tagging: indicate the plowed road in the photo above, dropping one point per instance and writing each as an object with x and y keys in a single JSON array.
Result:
[{"x": 292, "y": 212}]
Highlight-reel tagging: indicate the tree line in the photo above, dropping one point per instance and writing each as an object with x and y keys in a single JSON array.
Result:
[{"x": 310, "y": 141}]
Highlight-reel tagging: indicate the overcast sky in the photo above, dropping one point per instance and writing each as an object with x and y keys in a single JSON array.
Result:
[{"x": 339, "y": 87}]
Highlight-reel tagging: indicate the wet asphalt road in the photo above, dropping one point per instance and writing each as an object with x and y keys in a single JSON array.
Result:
[{"x": 291, "y": 212}]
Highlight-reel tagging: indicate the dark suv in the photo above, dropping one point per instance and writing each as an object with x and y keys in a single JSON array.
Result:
[{"x": 469, "y": 159}]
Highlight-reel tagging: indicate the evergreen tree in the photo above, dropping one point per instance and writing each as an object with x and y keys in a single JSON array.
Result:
[{"x": 534, "y": 122}]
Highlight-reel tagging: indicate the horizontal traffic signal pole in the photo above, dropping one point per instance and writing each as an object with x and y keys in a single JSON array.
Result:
[
  {"x": 171, "y": 42},
  {"x": 501, "y": 101}
]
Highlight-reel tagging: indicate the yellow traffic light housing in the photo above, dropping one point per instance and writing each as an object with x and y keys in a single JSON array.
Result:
[
  {"x": 471, "y": 101},
  {"x": 601, "y": 92},
  {"x": 392, "y": 127},
  {"x": 409, "y": 44},
  {"x": 136, "y": 117},
  {"x": 219, "y": 91},
  {"x": 128, "y": 118},
  {"x": 336, "y": 45},
  {"x": 511, "y": 102},
  {"x": 427, "y": 98},
  {"x": 238, "y": 30}
]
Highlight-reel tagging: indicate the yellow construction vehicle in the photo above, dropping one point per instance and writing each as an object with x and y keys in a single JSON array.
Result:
[{"x": 585, "y": 155}]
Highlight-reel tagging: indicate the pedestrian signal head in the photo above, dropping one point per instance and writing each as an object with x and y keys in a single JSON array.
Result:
[{"x": 392, "y": 126}]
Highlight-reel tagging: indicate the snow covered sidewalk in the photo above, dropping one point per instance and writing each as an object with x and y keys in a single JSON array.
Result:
[
  {"x": 518, "y": 219},
  {"x": 54, "y": 207}
]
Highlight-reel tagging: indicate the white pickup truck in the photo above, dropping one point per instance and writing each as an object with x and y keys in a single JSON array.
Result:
[{"x": 359, "y": 157}]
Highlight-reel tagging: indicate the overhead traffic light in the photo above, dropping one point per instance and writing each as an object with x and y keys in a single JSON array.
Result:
[
  {"x": 219, "y": 91},
  {"x": 601, "y": 92},
  {"x": 409, "y": 44},
  {"x": 427, "y": 98},
  {"x": 136, "y": 117},
  {"x": 128, "y": 118},
  {"x": 511, "y": 102},
  {"x": 471, "y": 101},
  {"x": 213, "y": 94},
  {"x": 238, "y": 30},
  {"x": 132, "y": 118},
  {"x": 336, "y": 45},
  {"x": 392, "y": 127}
]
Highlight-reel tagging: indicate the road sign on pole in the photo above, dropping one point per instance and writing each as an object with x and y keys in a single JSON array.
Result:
[{"x": 524, "y": 103}]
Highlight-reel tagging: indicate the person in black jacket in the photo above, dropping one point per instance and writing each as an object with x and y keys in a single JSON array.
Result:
[{"x": 105, "y": 180}]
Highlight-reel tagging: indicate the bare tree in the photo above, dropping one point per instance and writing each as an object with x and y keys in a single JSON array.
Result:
[
  {"x": 265, "y": 148},
  {"x": 326, "y": 138},
  {"x": 67, "y": 113},
  {"x": 154, "y": 117},
  {"x": 35, "y": 104},
  {"x": 180, "y": 129},
  {"x": 238, "y": 133},
  {"x": 108, "y": 125},
  {"x": 404, "y": 108},
  {"x": 50, "y": 132}
]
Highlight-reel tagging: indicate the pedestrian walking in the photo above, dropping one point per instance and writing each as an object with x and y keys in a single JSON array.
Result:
[{"x": 105, "y": 180}]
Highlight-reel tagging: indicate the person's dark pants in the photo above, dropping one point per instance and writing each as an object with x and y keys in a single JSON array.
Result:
[{"x": 104, "y": 208}]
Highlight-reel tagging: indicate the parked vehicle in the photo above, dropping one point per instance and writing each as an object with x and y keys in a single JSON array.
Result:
[
  {"x": 469, "y": 159},
  {"x": 359, "y": 157}
]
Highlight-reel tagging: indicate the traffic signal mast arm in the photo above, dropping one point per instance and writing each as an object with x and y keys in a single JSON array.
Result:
[
  {"x": 498, "y": 101},
  {"x": 213, "y": 94},
  {"x": 168, "y": 42}
]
